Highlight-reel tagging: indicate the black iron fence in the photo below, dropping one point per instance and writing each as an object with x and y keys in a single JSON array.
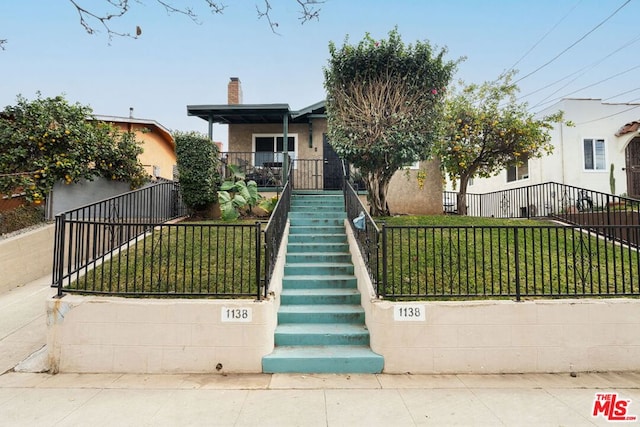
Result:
[
  {"x": 265, "y": 168},
  {"x": 528, "y": 260},
  {"x": 124, "y": 246},
  {"x": 275, "y": 229},
  {"x": 573, "y": 205},
  {"x": 506, "y": 261}
]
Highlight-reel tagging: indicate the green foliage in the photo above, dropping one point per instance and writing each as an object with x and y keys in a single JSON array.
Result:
[
  {"x": 384, "y": 106},
  {"x": 235, "y": 194},
  {"x": 49, "y": 140},
  {"x": 485, "y": 130},
  {"x": 198, "y": 168},
  {"x": 612, "y": 179}
]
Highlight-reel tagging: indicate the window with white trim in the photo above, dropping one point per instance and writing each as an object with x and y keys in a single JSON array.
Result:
[
  {"x": 594, "y": 154},
  {"x": 518, "y": 172},
  {"x": 268, "y": 148}
]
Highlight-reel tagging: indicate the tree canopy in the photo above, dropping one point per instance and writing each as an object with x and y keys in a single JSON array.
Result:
[
  {"x": 49, "y": 140},
  {"x": 486, "y": 130},
  {"x": 385, "y": 106}
]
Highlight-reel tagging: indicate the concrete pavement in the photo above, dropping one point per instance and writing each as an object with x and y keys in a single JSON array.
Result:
[{"x": 40, "y": 399}]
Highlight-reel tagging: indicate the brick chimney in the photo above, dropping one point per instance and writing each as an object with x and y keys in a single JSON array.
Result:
[{"x": 234, "y": 91}]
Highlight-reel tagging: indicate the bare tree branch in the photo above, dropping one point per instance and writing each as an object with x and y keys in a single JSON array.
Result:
[
  {"x": 309, "y": 11},
  {"x": 2, "y": 43}
]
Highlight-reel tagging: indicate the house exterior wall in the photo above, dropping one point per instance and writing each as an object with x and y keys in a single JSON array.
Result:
[
  {"x": 592, "y": 119},
  {"x": 408, "y": 194},
  {"x": 157, "y": 150}
]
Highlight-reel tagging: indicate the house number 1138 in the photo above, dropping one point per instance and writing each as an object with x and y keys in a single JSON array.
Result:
[
  {"x": 409, "y": 313},
  {"x": 236, "y": 314}
]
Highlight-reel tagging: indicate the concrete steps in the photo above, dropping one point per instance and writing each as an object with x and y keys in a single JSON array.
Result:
[{"x": 321, "y": 325}]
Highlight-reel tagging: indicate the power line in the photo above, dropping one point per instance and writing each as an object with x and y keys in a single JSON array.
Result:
[
  {"x": 594, "y": 64},
  {"x": 543, "y": 37},
  {"x": 623, "y": 93},
  {"x": 588, "y": 86},
  {"x": 573, "y": 44},
  {"x": 610, "y": 115}
]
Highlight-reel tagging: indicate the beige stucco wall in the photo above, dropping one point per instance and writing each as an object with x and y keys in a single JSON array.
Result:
[
  {"x": 407, "y": 197},
  {"x": 26, "y": 257},
  {"x": 158, "y": 150},
  {"x": 503, "y": 336},
  {"x": 129, "y": 335}
]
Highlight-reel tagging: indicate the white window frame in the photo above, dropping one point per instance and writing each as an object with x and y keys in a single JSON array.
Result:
[
  {"x": 293, "y": 155},
  {"x": 594, "y": 158},
  {"x": 518, "y": 174}
]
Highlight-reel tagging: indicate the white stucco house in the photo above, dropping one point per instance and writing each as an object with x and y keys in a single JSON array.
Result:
[{"x": 603, "y": 134}]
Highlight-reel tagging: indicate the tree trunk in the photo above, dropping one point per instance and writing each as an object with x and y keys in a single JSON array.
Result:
[
  {"x": 377, "y": 185},
  {"x": 461, "y": 198}
]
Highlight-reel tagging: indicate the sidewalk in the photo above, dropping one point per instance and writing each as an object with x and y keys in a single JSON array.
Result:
[{"x": 282, "y": 399}]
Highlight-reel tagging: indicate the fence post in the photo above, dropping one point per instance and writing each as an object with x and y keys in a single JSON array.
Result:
[
  {"x": 517, "y": 261},
  {"x": 58, "y": 264},
  {"x": 258, "y": 264},
  {"x": 382, "y": 283}
]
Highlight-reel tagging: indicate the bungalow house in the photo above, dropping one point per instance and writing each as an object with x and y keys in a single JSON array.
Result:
[
  {"x": 159, "y": 155},
  {"x": 599, "y": 152},
  {"x": 256, "y": 143},
  {"x": 158, "y": 158}
]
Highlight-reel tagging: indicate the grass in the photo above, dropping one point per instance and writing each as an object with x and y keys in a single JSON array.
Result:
[
  {"x": 441, "y": 257},
  {"x": 198, "y": 258},
  {"x": 455, "y": 257}
]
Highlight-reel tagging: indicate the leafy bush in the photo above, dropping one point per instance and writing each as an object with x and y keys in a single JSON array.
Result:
[
  {"x": 198, "y": 170},
  {"x": 49, "y": 140},
  {"x": 235, "y": 194}
]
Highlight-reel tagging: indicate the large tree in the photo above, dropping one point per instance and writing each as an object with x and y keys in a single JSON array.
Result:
[
  {"x": 100, "y": 16},
  {"x": 48, "y": 140},
  {"x": 486, "y": 130},
  {"x": 384, "y": 106}
]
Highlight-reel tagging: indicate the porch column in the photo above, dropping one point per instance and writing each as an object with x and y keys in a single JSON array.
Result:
[
  {"x": 285, "y": 148},
  {"x": 210, "y": 127}
]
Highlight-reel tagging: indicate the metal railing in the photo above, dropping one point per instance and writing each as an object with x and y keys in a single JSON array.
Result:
[
  {"x": 367, "y": 235},
  {"x": 275, "y": 229},
  {"x": 505, "y": 261},
  {"x": 265, "y": 168},
  {"x": 522, "y": 261},
  {"x": 573, "y": 205}
]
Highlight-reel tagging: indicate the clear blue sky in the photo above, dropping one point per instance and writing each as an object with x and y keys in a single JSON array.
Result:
[{"x": 177, "y": 62}]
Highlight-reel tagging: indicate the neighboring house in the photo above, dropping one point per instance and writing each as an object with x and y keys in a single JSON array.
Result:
[
  {"x": 256, "y": 139},
  {"x": 159, "y": 155},
  {"x": 158, "y": 158},
  {"x": 604, "y": 137}
]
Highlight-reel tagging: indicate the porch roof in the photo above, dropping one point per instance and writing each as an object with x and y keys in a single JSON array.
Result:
[{"x": 254, "y": 113}]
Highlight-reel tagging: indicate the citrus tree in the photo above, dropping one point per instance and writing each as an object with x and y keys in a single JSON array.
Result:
[
  {"x": 384, "y": 106},
  {"x": 486, "y": 130},
  {"x": 48, "y": 140}
]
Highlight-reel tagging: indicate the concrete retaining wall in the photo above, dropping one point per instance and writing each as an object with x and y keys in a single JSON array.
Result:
[
  {"x": 130, "y": 335},
  {"x": 99, "y": 334},
  {"x": 26, "y": 257},
  {"x": 501, "y": 336}
]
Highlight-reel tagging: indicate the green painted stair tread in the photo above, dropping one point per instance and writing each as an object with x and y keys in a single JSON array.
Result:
[
  {"x": 319, "y": 247},
  {"x": 323, "y": 359},
  {"x": 320, "y": 296},
  {"x": 304, "y": 334},
  {"x": 320, "y": 313},
  {"x": 314, "y": 282}
]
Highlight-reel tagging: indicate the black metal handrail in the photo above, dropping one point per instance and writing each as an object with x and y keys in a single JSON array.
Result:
[
  {"x": 275, "y": 229},
  {"x": 104, "y": 230},
  {"x": 365, "y": 230}
]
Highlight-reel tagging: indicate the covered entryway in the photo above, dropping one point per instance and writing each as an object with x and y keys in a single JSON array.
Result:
[{"x": 632, "y": 155}]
